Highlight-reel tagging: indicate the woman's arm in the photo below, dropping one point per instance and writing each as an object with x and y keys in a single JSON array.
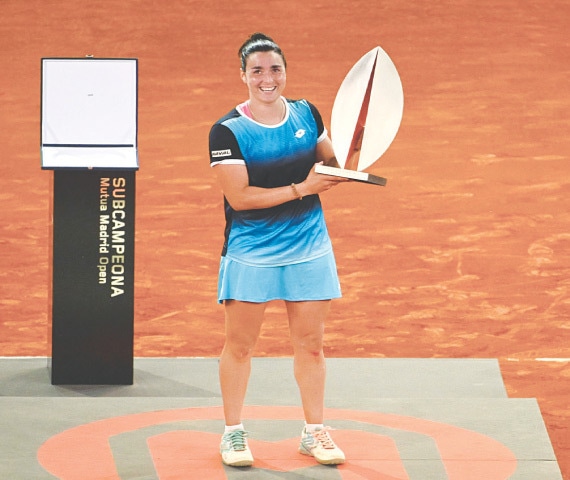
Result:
[
  {"x": 325, "y": 153},
  {"x": 234, "y": 181}
]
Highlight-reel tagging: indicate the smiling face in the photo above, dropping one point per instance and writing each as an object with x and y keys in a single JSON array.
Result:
[{"x": 264, "y": 76}]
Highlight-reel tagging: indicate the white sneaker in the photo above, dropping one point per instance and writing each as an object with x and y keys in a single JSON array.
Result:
[
  {"x": 234, "y": 449},
  {"x": 320, "y": 445}
]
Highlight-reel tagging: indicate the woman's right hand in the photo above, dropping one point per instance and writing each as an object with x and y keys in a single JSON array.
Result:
[{"x": 318, "y": 182}]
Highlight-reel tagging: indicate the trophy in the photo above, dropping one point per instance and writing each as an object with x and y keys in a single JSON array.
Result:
[{"x": 366, "y": 115}]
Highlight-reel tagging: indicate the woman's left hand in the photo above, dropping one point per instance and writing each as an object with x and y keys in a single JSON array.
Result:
[{"x": 318, "y": 182}]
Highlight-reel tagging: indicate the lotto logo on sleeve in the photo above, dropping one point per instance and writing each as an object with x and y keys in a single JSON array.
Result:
[{"x": 221, "y": 153}]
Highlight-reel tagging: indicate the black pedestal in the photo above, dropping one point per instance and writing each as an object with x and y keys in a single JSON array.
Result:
[{"x": 93, "y": 277}]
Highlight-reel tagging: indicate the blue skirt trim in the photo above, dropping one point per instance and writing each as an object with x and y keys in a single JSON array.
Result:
[{"x": 313, "y": 280}]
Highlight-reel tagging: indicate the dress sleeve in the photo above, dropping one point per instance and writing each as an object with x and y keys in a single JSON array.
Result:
[
  {"x": 321, "y": 130},
  {"x": 224, "y": 147}
]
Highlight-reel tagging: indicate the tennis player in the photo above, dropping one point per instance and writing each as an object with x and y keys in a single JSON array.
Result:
[{"x": 276, "y": 247}]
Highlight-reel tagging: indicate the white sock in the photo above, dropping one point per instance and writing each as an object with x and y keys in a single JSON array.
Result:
[
  {"x": 311, "y": 427},
  {"x": 233, "y": 428}
]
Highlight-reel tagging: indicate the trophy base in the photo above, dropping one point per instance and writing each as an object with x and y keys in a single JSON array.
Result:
[{"x": 352, "y": 174}]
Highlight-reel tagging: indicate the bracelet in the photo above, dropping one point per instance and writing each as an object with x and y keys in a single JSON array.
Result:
[{"x": 296, "y": 192}]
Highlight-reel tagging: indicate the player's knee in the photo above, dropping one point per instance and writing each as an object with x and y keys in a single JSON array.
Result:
[
  {"x": 309, "y": 345},
  {"x": 241, "y": 351}
]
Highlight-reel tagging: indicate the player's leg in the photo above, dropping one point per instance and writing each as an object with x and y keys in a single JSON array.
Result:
[
  {"x": 243, "y": 324},
  {"x": 306, "y": 323}
]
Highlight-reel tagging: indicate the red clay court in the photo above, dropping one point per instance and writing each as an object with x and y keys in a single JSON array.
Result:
[{"x": 464, "y": 254}]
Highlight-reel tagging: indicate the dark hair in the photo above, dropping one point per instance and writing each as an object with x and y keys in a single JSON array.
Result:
[{"x": 258, "y": 42}]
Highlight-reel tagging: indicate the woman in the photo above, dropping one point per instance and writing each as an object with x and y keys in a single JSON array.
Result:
[{"x": 276, "y": 243}]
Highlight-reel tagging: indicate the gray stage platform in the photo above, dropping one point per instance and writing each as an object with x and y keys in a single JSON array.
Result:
[{"x": 407, "y": 411}]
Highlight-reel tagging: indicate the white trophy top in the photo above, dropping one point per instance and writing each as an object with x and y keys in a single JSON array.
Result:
[{"x": 367, "y": 111}]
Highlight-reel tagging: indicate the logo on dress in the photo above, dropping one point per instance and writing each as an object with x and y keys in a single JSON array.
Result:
[
  {"x": 300, "y": 133},
  {"x": 221, "y": 153}
]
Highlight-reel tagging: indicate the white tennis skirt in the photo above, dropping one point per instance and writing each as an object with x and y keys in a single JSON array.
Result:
[{"x": 313, "y": 280}]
